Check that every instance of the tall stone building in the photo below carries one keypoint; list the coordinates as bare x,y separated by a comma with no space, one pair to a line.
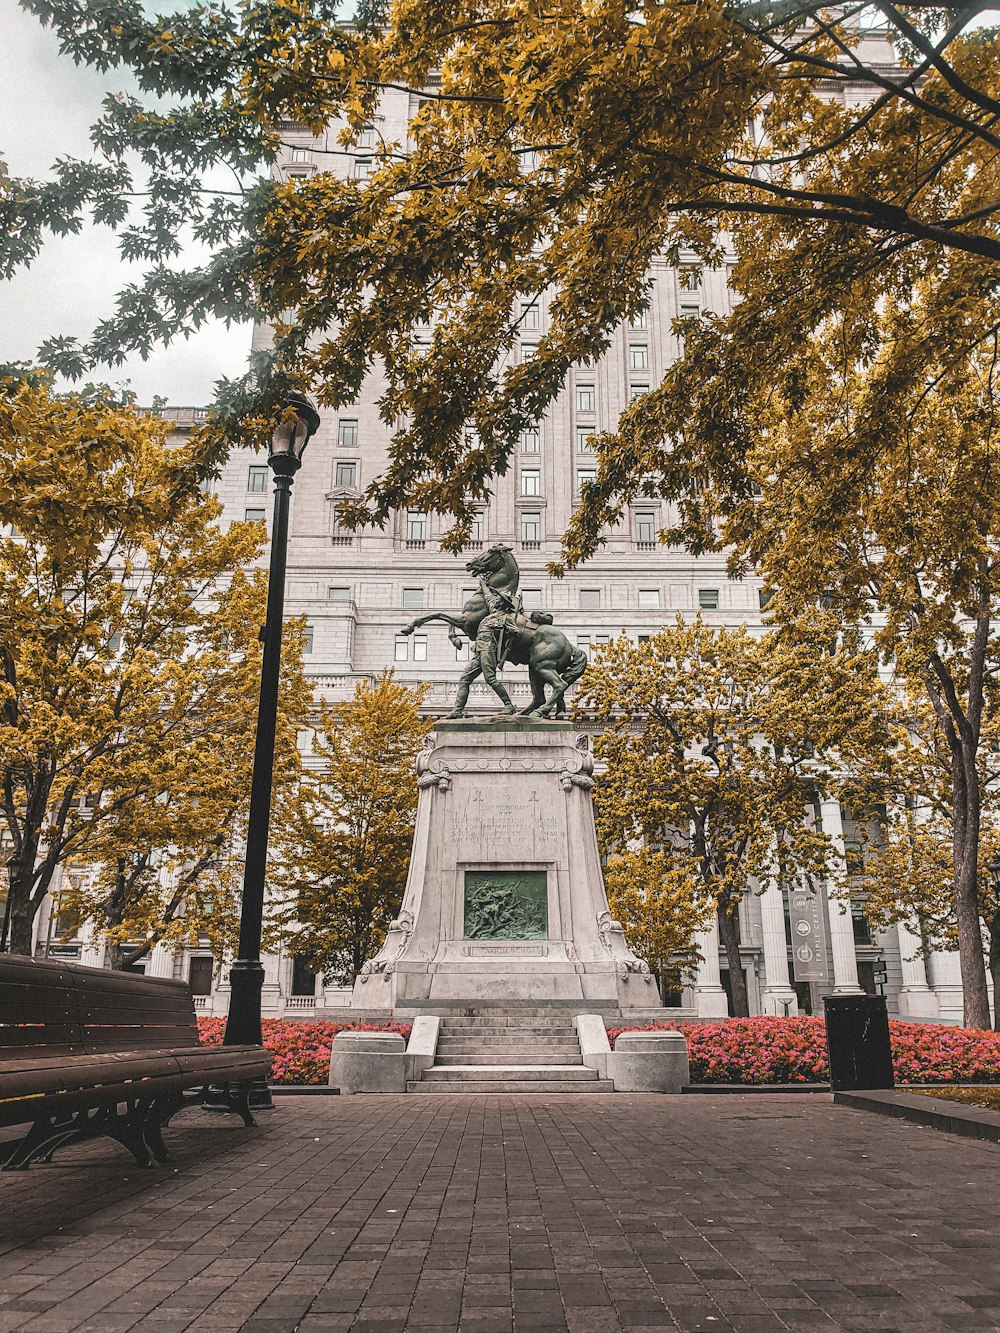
357,591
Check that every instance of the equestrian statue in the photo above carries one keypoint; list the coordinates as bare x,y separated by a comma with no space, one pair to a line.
496,624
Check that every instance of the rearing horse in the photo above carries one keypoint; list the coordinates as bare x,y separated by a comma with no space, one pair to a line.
549,656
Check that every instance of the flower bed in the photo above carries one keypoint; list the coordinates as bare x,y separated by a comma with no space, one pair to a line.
793,1050
300,1051
737,1050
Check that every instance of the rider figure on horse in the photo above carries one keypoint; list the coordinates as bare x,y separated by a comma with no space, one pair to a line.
493,639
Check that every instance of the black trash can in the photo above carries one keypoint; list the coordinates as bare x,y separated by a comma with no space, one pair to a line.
857,1039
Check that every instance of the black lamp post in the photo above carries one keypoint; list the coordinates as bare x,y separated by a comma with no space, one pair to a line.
298,424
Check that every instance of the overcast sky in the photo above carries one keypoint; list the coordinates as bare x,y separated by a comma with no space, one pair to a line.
47,105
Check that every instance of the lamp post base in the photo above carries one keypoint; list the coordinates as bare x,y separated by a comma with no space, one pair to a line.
246,981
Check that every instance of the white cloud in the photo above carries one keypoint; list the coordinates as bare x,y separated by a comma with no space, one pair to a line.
47,105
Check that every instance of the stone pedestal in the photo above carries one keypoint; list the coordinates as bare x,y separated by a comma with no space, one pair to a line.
505,901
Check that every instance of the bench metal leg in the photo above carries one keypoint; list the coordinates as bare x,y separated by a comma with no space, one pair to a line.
50,1133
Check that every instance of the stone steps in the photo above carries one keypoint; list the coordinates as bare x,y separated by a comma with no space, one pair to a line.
533,1039
552,1073
513,1058
498,1052
495,1029
506,1086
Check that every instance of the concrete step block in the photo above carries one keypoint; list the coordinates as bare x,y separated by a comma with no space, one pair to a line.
515,1058
553,1073
507,1087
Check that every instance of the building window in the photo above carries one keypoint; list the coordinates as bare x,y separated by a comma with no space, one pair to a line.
531,481
584,476
530,315
256,481
464,651
859,922
416,527
584,440
301,155
338,594
764,596
367,136
253,516
420,648
341,535
477,532
601,639
531,440
583,640
346,474
363,168
590,599
645,529
307,639
638,320
531,527
586,398
689,277
638,356
690,310
649,599
402,648
413,599
531,599
200,975
708,599
347,434
636,391
303,978
528,350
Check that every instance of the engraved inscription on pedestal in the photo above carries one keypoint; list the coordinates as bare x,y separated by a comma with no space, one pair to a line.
506,905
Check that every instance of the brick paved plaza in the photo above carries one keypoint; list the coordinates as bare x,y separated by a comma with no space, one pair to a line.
489,1214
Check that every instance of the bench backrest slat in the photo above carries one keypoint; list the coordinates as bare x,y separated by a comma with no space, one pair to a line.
38,1009
85,1010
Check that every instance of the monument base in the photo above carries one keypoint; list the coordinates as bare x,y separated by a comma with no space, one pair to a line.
505,902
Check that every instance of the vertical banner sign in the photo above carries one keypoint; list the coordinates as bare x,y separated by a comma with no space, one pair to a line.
808,922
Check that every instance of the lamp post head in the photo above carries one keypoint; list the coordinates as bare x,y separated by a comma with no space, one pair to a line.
298,424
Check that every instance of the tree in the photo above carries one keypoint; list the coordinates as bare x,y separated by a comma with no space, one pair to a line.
166,863
129,668
716,745
909,872
562,149
849,460
342,847
651,895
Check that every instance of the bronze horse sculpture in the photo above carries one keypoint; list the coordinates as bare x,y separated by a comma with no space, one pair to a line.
535,643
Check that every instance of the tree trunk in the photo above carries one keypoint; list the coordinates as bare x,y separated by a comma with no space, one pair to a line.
965,843
22,908
994,928
22,919
729,932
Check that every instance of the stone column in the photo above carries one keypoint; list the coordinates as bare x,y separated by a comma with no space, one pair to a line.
946,982
845,964
92,950
271,1001
161,961
710,998
776,993
916,999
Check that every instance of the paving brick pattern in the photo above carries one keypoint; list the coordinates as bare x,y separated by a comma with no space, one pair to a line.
519,1214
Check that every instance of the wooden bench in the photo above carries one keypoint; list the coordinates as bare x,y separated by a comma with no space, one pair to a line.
86,1053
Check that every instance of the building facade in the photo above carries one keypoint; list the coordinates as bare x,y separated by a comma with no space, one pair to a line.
358,590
